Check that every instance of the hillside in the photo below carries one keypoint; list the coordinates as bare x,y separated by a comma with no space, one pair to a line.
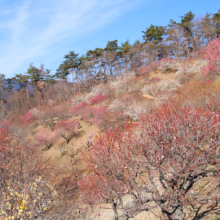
138,147
134,135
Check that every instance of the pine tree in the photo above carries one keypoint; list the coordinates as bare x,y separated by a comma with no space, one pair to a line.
207,29
2,85
216,21
111,49
154,34
22,81
124,53
34,75
62,72
70,64
9,84
186,25
38,76
174,35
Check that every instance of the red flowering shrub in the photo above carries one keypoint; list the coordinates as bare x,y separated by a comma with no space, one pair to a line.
96,115
90,113
154,80
6,124
46,138
79,108
66,129
205,83
154,66
99,114
29,117
143,70
97,99
147,69
166,60
211,53
160,163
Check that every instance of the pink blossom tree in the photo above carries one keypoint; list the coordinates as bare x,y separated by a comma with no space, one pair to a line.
66,129
79,108
46,137
29,117
97,99
211,53
147,69
160,163
96,115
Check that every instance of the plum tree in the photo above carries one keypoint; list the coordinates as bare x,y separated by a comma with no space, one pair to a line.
160,163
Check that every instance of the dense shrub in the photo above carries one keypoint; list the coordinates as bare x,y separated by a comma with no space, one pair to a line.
50,115
120,104
154,80
96,115
168,65
30,116
66,129
121,82
189,70
79,108
25,192
46,137
134,110
143,70
160,163
101,89
162,86
97,99
211,54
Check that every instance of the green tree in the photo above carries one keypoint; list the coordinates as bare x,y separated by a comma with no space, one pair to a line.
22,81
112,46
187,26
38,77
94,56
62,72
207,29
2,85
34,75
10,84
154,34
111,50
91,57
125,52
174,35
70,64
216,21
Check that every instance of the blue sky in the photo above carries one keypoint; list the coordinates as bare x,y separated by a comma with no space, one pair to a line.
43,31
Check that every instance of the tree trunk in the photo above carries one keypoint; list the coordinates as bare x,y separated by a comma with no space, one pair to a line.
27,96
178,214
193,46
145,58
115,211
185,40
114,64
79,85
73,81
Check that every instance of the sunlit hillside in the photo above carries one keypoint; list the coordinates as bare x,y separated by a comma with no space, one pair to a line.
135,135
